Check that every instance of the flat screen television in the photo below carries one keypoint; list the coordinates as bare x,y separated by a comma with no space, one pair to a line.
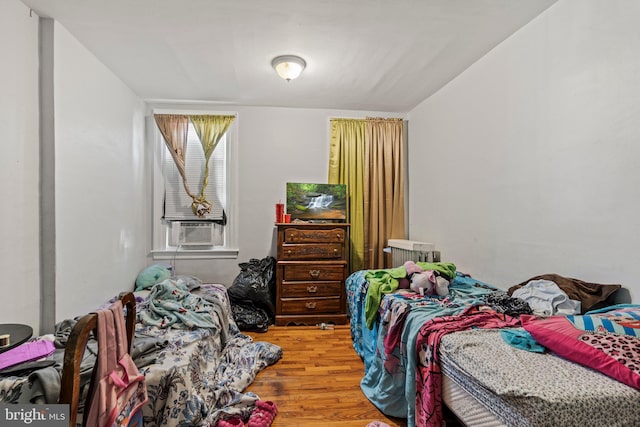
317,202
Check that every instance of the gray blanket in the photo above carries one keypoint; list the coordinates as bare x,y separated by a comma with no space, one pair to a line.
29,384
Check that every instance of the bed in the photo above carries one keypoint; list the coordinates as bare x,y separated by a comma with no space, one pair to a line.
422,353
196,362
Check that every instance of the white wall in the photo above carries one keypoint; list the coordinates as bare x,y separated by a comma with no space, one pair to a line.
102,175
275,146
102,180
19,253
527,163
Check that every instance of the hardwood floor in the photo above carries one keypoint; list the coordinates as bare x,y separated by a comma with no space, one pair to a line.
317,381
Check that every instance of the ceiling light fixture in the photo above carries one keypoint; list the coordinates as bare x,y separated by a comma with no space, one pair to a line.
288,66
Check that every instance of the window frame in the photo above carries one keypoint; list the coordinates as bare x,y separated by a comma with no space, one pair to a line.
161,250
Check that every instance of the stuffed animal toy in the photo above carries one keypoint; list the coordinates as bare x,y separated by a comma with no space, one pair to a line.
442,286
412,267
425,282
422,282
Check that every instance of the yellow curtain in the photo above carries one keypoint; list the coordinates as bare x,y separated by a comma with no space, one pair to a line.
383,187
209,129
346,166
173,128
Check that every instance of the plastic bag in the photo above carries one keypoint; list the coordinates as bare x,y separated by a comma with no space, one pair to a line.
250,318
255,284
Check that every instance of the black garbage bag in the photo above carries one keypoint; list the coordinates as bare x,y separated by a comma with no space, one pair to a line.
248,317
255,286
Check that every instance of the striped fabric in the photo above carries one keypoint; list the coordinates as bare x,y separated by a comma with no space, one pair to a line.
624,320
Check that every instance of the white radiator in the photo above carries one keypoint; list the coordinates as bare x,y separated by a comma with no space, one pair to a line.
409,250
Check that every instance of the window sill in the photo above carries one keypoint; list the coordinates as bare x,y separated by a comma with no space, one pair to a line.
222,253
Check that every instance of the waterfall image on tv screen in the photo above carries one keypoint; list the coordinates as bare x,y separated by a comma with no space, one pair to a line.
317,201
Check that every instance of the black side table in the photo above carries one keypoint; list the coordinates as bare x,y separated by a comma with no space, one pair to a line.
18,334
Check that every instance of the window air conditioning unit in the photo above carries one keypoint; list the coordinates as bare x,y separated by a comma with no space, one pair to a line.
193,233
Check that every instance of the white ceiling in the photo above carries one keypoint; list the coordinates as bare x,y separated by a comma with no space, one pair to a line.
380,55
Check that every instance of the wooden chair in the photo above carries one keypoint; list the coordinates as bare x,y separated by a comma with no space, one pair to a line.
70,391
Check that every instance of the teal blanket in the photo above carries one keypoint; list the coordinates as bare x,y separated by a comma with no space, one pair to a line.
172,305
393,391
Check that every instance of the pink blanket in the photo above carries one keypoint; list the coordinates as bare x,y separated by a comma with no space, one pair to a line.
428,375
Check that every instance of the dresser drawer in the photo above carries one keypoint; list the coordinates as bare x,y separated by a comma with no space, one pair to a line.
314,272
310,305
312,251
311,289
298,235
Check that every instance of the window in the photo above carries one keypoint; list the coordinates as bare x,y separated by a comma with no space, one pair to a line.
177,203
177,232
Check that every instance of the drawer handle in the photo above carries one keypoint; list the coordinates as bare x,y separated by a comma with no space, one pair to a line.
289,252
338,236
312,289
310,305
291,236
314,273
335,251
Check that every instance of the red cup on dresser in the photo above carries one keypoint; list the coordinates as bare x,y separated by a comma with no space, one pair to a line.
287,218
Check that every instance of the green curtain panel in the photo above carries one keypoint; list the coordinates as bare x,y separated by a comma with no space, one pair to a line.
346,166
368,155
209,129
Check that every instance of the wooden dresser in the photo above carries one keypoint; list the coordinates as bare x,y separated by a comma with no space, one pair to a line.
313,263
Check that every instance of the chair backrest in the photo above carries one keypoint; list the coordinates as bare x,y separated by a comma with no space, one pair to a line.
70,391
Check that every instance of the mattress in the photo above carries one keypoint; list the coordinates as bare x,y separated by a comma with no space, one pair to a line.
466,407
522,388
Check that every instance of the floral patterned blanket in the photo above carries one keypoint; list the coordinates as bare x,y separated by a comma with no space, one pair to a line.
196,377
200,376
